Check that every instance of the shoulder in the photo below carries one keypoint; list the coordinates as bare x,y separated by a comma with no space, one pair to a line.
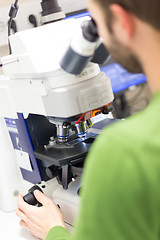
128,134
118,150
115,140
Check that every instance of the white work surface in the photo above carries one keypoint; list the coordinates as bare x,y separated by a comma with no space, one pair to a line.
10,228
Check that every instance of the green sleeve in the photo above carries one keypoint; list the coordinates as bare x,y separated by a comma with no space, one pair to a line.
58,233
118,201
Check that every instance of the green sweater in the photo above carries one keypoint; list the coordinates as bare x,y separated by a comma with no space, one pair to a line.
121,183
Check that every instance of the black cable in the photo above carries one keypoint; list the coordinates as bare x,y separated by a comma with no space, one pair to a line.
9,26
12,14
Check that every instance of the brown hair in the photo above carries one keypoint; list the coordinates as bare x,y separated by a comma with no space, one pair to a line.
146,10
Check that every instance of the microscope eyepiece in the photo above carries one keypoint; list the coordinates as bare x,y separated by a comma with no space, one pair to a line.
89,30
86,46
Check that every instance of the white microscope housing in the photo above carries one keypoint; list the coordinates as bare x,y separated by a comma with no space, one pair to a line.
36,83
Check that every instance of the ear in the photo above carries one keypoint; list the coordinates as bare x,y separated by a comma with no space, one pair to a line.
123,23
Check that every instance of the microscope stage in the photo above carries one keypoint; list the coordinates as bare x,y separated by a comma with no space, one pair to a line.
75,150
61,154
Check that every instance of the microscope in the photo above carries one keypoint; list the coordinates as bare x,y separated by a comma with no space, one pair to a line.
53,91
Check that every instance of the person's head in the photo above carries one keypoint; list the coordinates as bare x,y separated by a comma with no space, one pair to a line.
121,24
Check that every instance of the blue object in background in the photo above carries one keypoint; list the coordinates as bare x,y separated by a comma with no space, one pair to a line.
120,78
79,15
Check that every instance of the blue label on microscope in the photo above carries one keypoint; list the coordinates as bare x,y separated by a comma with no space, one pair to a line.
11,124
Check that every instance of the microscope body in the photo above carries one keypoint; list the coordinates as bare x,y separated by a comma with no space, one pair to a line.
49,112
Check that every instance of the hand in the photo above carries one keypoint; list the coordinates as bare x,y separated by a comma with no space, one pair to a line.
39,220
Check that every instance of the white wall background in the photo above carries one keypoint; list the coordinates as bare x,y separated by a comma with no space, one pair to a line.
9,2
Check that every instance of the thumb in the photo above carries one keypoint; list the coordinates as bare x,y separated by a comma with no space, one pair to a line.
41,197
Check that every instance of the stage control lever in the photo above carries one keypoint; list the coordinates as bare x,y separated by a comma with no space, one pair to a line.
30,198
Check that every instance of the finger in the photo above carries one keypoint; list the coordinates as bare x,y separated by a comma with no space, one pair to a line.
25,207
41,197
23,224
20,202
21,215
19,199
